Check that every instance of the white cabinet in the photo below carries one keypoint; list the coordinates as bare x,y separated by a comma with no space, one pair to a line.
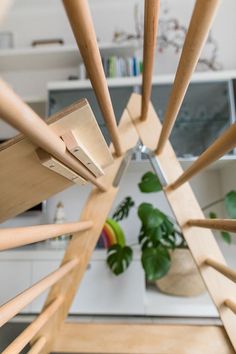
15,276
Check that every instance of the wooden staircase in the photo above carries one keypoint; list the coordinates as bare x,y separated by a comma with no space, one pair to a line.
28,177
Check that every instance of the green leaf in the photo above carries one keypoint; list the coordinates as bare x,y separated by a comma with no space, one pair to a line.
149,216
119,258
230,204
212,215
150,183
123,209
226,236
156,262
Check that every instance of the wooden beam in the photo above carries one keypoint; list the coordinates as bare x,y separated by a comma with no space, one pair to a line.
231,305
214,224
96,208
222,145
21,236
221,268
132,338
4,8
14,111
199,27
37,346
81,22
15,305
25,337
151,14
200,241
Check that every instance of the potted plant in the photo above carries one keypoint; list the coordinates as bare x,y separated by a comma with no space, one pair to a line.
165,257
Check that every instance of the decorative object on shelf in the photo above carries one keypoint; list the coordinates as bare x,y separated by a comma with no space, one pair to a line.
171,34
60,218
111,234
6,40
165,258
47,42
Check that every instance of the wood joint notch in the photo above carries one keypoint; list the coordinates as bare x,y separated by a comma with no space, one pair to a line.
76,147
54,165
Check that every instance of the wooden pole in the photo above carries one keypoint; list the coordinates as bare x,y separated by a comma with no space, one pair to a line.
22,117
15,305
81,22
221,268
16,237
215,224
25,337
151,14
37,346
225,143
231,305
199,27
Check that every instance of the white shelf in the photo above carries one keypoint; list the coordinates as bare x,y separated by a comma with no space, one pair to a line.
51,57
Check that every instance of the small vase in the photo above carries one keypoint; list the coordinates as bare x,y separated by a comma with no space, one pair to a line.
183,278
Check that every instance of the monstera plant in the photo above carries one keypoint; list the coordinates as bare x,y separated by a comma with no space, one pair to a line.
159,233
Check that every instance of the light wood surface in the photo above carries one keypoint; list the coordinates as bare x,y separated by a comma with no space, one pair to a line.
184,205
151,14
199,27
76,148
15,305
22,117
21,236
231,305
225,143
215,224
37,346
4,8
25,337
24,182
96,208
223,269
56,166
142,339
81,22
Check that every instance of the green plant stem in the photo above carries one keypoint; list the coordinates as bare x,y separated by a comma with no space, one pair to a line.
212,204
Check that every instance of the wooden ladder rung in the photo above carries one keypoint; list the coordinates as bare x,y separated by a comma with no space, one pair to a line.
214,224
221,268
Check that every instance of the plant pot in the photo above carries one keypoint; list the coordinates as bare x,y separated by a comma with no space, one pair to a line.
183,278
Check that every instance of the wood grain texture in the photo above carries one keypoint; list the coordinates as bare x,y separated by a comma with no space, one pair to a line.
222,145
201,242
15,305
214,224
142,339
223,269
151,14
25,337
24,182
21,236
96,208
199,27
81,22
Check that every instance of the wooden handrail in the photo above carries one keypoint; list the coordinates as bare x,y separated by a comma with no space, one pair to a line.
81,22
214,224
225,143
14,111
199,27
26,336
231,305
37,346
221,268
16,237
151,14
15,305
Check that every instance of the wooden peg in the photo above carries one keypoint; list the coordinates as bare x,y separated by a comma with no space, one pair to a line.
54,165
76,148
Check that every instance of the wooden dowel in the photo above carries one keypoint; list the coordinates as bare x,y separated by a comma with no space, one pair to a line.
151,14
16,237
37,346
221,268
225,143
26,336
22,117
215,224
15,305
231,305
81,22
199,27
